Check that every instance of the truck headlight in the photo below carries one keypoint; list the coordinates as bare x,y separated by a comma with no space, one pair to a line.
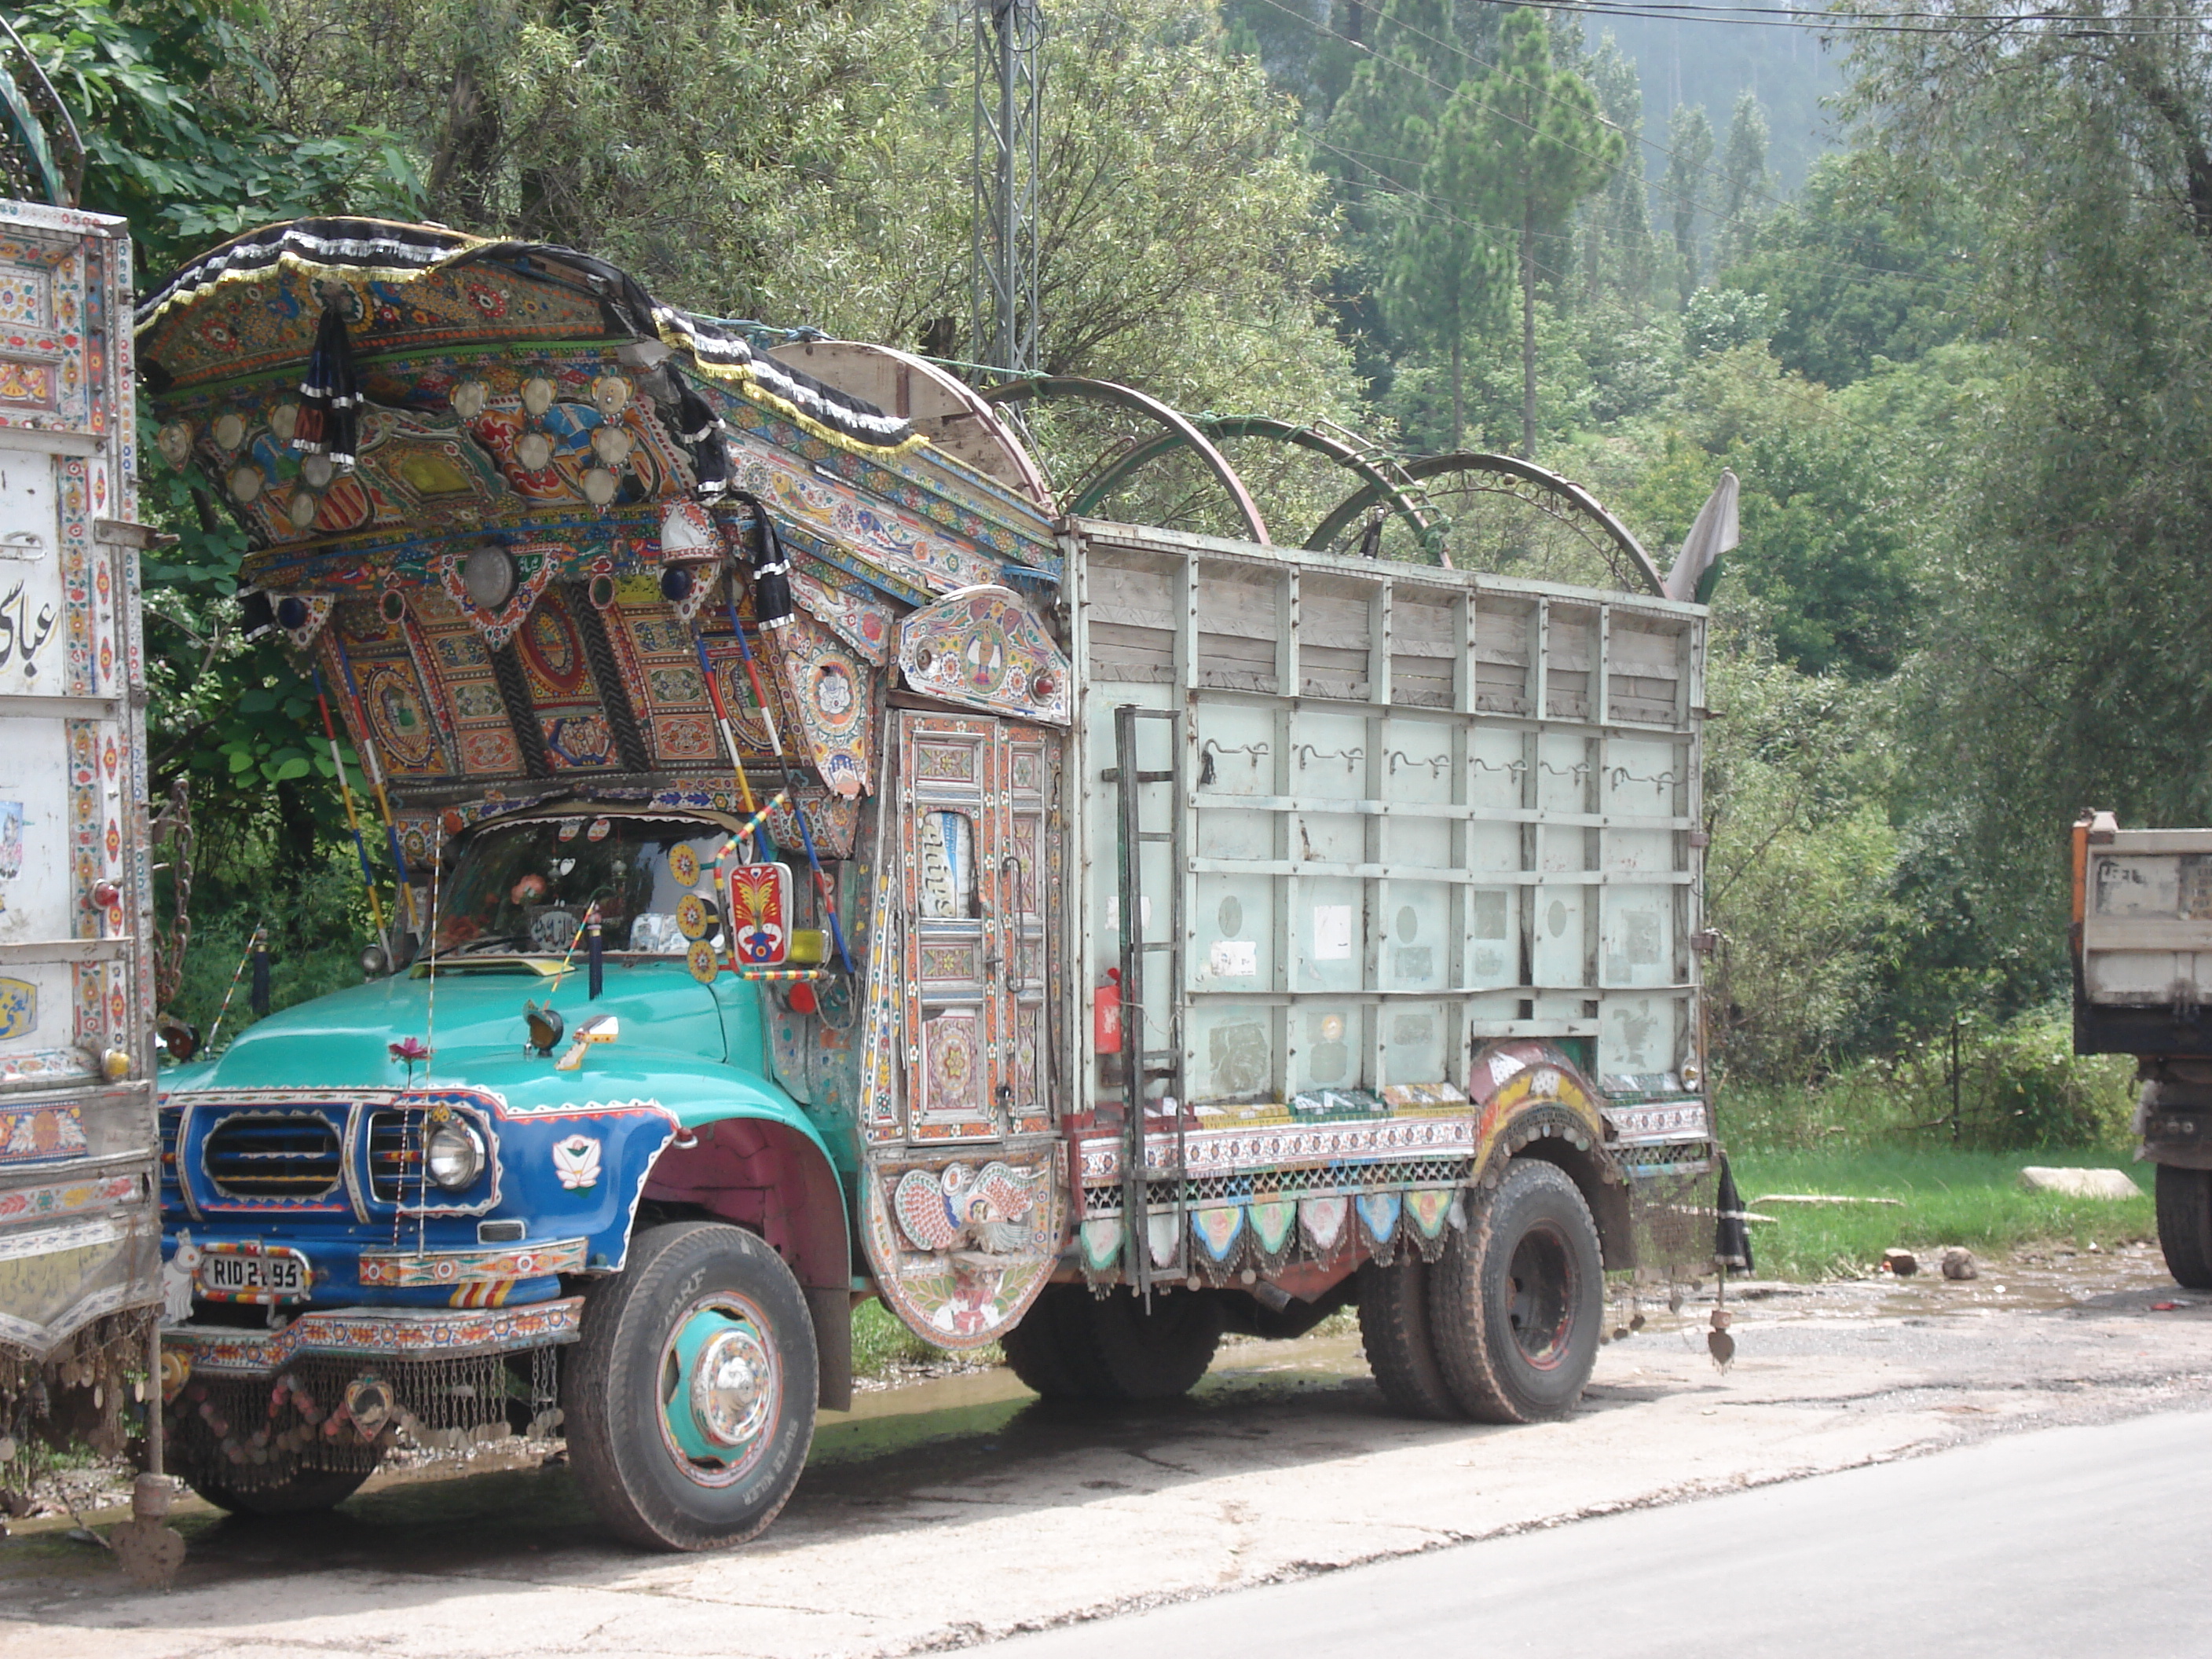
454,1155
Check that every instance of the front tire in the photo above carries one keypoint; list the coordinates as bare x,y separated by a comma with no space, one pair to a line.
2184,1224
689,1396
1517,1301
304,1492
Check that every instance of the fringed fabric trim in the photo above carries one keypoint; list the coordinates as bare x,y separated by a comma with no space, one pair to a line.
392,251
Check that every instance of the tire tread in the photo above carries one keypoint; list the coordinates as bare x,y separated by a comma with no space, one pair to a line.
2184,1224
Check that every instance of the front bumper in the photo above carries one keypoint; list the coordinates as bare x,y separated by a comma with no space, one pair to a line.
371,1334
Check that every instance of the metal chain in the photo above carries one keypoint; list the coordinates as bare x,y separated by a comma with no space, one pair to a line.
175,822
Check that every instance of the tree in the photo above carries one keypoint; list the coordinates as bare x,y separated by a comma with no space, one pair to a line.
1852,276
1446,271
2063,540
1689,152
1745,181
1535,146
162,93
1620,255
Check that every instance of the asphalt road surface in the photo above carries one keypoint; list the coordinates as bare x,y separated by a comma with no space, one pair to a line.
1875,1470
2067,1541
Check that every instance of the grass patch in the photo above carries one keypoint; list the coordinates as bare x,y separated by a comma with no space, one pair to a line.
1947,1197
882,1345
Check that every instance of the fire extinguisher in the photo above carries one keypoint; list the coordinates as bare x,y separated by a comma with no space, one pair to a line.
1106,1015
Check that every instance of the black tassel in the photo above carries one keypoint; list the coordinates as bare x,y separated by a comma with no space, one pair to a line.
258,999
329,414
771,575
700,430
594,958
1731,1236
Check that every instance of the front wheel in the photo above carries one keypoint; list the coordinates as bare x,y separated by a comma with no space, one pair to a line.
1516,1303
2184,1224
690,1394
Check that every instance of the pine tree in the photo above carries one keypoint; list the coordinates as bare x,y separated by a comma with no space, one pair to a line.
1530,144
1745,181
1690,146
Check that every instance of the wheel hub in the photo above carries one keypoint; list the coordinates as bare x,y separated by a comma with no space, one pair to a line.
719,1386
1540,1298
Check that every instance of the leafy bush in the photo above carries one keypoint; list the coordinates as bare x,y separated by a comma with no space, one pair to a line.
2020,1086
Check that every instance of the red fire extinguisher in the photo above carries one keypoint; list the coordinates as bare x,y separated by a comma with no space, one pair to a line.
1106,1015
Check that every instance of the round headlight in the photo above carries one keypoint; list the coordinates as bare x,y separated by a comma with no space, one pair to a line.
454,1156
1691,1074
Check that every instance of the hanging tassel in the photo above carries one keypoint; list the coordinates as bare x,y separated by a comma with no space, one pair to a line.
258,998
771,575
330,412
700,431
594,958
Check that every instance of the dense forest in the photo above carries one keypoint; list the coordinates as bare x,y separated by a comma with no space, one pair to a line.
1947,334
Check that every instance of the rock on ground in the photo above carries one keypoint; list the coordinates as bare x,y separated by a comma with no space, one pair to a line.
2080,1183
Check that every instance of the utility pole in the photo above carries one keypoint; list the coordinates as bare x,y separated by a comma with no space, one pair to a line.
1009,82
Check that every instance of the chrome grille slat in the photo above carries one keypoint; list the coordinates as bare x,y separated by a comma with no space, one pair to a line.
395,1155
260,1155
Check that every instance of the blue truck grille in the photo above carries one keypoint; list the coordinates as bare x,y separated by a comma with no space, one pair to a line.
395,1157
296,1156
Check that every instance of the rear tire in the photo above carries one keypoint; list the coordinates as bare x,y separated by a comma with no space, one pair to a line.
306,1491
1517,1302
689,1397
1116,1351
2184,1224
1036,1349
1394,1326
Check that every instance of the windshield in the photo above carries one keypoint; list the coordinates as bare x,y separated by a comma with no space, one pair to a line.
524,888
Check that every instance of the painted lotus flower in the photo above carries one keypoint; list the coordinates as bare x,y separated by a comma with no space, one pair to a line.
409,1050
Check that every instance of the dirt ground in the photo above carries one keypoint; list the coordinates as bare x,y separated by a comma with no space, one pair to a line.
949,1512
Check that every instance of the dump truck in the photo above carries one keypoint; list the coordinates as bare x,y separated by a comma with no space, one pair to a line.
2141,948
823,870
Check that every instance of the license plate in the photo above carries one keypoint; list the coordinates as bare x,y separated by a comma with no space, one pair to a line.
269,1275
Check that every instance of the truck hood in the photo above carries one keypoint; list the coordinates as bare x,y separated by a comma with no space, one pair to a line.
344,1040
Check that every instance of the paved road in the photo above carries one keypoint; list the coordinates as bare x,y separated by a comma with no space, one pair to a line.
2066,1541
962,1511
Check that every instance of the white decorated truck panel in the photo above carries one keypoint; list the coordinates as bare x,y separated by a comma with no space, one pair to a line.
79,1232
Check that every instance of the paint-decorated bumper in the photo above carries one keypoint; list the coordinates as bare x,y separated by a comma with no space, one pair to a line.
370,1335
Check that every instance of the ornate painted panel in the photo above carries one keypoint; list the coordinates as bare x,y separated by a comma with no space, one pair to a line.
982,647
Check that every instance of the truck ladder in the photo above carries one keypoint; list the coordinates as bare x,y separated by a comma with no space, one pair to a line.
1141,1066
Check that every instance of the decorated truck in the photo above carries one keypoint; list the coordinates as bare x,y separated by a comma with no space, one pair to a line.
825,868
79,1226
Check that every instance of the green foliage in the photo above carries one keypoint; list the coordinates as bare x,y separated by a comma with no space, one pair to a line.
1941,1198
1744,179
1797,880
2020,1086
1530,144
1851,278
162,91
318,924
1689,152
1721,319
